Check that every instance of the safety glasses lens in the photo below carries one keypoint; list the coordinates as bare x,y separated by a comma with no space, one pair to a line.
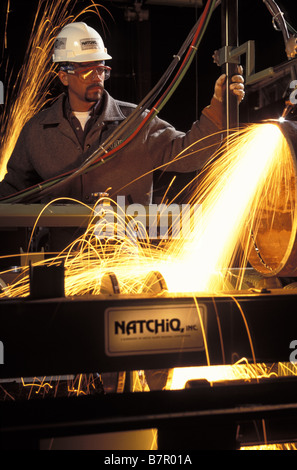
88,74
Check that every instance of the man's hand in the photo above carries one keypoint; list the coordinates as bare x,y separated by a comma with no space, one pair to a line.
237,86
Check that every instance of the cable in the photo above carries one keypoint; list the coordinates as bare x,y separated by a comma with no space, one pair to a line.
145,103
98,160
277,16
127,128
101,155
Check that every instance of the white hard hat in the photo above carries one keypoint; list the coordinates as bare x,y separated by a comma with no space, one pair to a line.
78,42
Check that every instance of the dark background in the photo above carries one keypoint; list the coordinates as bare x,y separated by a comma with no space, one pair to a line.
142,50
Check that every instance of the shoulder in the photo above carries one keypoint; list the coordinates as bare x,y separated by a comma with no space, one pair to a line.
125,108
125,105
51,113
118,108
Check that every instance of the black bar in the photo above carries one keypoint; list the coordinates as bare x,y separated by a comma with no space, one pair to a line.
194,418
229,34
68,335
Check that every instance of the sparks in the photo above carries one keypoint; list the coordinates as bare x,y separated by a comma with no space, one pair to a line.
237,191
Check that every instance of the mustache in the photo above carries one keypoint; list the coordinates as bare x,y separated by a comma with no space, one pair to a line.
95,85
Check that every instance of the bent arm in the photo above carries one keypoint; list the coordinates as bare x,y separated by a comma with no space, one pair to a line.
186,152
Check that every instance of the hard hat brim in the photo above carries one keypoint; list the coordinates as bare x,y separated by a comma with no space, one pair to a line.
81,58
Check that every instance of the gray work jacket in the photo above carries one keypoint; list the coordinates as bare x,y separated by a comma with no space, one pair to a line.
48,146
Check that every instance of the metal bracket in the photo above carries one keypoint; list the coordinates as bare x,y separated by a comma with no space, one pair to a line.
231,55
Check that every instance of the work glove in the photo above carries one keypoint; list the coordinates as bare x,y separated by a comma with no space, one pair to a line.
236,86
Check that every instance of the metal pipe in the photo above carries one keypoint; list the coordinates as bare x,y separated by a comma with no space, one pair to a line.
229,37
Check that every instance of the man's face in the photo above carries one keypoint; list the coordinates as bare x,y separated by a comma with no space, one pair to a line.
85,82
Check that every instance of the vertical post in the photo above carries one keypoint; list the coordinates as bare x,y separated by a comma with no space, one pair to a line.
1,93
229,37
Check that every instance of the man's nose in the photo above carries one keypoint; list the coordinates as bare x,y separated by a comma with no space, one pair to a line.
97,73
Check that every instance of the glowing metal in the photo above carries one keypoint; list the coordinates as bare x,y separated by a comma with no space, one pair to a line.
241,370
241,183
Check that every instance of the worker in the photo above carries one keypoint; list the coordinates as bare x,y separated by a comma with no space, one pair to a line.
59,138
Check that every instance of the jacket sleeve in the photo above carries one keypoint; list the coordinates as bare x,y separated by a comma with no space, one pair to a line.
186,152
20,173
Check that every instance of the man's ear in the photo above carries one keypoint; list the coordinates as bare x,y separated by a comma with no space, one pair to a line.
63,76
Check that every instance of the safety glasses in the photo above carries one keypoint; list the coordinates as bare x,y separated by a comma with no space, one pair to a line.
87,73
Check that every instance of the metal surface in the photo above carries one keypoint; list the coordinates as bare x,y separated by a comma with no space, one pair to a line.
58,215
71,335
154,216
229,34
273,247
224,416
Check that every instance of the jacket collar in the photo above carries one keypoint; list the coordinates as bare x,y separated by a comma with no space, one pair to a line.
110,112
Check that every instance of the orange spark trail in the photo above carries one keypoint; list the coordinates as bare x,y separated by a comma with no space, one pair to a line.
253,164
